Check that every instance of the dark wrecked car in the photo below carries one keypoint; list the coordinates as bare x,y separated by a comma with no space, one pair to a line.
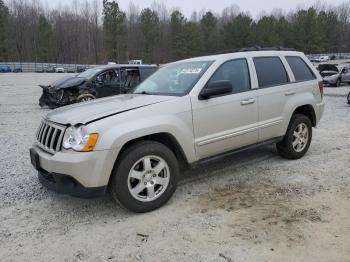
334,75
94,83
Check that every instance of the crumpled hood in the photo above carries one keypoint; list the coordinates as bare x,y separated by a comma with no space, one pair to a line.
326,74
86,112
68,81
328,67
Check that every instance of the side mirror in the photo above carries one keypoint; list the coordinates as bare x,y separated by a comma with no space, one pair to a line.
344,71
216,88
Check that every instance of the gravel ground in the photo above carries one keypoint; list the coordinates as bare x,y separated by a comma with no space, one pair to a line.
254,206
337,91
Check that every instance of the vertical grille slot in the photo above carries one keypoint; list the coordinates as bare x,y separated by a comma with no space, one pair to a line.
43,138
49,133
53,138
49,136
42,132
39,130
56,145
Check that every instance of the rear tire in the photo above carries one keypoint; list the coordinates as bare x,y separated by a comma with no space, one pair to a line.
298,138
145,176
349,98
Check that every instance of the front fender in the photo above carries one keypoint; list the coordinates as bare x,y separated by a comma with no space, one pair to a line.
172,117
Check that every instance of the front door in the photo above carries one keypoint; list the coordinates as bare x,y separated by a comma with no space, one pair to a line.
345,76
227,122
107,83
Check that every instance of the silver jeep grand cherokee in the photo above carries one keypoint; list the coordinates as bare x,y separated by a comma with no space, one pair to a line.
137,144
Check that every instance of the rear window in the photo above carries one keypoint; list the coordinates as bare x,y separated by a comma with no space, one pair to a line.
270,71
300,69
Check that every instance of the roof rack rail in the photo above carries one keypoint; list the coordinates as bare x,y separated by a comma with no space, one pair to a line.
258,48
255,48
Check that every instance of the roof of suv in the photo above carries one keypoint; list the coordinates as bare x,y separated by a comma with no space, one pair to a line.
245,54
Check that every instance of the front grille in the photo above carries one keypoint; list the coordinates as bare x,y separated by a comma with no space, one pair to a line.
49,136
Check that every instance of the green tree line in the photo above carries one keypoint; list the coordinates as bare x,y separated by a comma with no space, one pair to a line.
81,33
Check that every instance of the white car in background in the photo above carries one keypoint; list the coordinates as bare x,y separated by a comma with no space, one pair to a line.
59,70
323,58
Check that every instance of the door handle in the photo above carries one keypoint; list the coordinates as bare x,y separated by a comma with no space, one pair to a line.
289,93
247,102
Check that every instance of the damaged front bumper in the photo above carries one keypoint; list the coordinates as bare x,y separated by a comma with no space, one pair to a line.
73,173
53,97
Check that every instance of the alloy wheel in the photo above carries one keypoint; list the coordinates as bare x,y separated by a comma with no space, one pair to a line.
300,137
148,178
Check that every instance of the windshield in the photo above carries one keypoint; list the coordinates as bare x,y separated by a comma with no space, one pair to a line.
174,79
90,73
341,66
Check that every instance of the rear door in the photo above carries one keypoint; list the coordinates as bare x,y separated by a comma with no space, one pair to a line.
130,78
282,80
108,83
274,90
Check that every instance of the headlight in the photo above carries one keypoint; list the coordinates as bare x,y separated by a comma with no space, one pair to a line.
77,139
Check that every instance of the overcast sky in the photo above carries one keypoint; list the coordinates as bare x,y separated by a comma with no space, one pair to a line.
255,7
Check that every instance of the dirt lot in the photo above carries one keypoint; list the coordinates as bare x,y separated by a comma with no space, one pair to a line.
254,206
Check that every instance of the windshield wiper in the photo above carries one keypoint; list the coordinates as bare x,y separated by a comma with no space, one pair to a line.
143,93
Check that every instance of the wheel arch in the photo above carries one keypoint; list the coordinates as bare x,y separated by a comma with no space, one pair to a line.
164,138
306,110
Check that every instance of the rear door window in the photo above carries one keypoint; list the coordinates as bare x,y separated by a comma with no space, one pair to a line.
300,69
270,71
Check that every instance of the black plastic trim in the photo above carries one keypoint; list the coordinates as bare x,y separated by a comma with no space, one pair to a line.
235,151
64,184
254,49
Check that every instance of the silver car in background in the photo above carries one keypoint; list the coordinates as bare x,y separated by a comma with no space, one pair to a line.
335,75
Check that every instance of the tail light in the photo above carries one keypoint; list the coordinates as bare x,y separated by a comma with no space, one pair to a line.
320,86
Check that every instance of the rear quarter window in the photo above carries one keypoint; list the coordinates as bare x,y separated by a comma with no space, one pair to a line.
270,71
300,69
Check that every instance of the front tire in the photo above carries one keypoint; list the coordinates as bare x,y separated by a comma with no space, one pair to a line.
145,176
338,83
85,97
349,98
298,138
